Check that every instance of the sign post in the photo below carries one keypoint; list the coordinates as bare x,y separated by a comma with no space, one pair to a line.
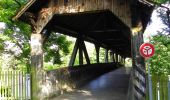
147,51
169,87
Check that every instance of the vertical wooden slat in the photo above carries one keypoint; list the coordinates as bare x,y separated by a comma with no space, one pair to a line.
4,84
0,84
13,84
24,92
22,84
8,87
18,83
23,81
25,86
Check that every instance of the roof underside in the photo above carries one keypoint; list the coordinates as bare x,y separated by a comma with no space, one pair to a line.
101,27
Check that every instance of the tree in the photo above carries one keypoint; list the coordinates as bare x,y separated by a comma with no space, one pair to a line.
18,34
164,14
160,61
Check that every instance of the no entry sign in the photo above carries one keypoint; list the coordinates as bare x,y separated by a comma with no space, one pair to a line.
147,50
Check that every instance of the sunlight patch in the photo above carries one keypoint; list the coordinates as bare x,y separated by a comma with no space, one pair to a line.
2,25
86,93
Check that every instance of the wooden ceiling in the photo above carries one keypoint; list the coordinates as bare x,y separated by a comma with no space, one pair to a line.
100,27
100,23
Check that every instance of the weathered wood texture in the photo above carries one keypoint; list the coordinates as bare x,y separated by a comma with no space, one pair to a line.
139,71
121,8
37,73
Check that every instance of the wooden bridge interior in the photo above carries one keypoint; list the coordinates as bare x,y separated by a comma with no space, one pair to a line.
105,23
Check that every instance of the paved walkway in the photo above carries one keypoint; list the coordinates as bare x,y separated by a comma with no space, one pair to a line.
110,86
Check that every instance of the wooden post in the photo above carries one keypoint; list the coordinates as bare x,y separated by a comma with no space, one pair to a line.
85,53
116,57
38,75
80,51
37,72
123,60
139,72
79,45
97,53
106,55
74,53
111,56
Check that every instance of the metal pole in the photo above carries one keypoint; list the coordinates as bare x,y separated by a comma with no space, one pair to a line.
158,91
150,83
169,87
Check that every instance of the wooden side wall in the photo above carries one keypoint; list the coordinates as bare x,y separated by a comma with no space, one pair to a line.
121,8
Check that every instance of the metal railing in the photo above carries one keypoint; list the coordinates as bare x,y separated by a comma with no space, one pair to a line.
14,85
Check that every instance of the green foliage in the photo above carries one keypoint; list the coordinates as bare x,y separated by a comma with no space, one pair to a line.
18,33
160,61
5,91
163,87
160,1
56,49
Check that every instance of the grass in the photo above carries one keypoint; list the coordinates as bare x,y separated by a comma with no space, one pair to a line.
163,87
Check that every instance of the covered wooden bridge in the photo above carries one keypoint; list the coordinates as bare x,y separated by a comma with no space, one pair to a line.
116,25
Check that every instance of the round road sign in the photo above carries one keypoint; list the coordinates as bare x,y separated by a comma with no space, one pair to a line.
147,50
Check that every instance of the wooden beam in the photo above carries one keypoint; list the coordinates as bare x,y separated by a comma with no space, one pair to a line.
80,50
74,53
97,53
108,30
85,53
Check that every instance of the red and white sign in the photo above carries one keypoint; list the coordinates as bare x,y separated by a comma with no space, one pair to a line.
147,50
